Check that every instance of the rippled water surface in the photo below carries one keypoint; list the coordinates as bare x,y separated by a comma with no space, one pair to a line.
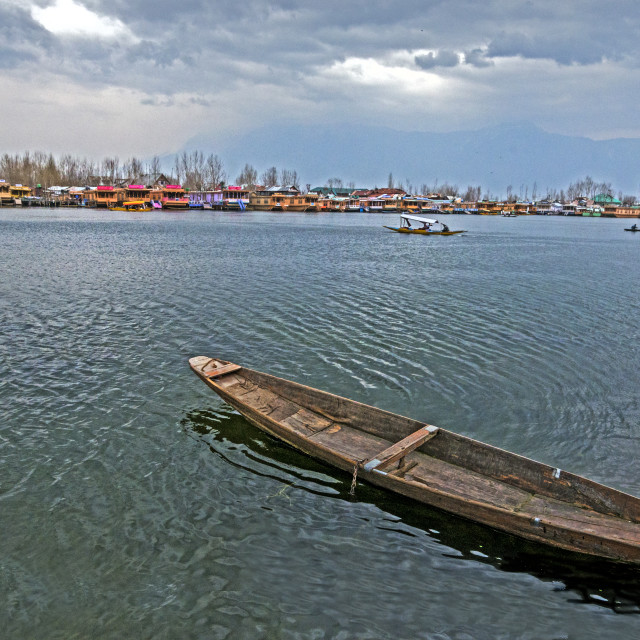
134,503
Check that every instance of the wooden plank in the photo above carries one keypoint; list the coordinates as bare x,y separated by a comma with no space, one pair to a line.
221,371
306,422
401,449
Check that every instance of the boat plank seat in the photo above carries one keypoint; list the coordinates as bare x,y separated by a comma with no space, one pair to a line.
401,448
222,371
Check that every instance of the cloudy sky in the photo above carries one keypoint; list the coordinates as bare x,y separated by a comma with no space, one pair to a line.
141,77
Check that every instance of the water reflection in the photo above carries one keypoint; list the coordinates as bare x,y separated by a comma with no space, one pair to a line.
593,581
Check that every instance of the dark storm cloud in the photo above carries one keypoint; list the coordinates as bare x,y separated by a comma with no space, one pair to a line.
442,58
21,39
196,41
477,58
565,49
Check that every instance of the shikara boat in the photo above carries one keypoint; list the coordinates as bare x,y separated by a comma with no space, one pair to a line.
426,226
440,468
132,205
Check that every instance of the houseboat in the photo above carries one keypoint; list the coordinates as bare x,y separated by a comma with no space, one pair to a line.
311,200
6,199
524,208
279,199
632,211
332,203
106,196
491,208
230,198
373,204
354,204
18,192
137,193
173,196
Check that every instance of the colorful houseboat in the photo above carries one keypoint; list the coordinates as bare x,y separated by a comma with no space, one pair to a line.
6,199
279,199
174,197
628,212
230,198
105,196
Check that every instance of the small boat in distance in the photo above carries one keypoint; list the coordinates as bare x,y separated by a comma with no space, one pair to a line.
634,227
434,466
132,205
425,226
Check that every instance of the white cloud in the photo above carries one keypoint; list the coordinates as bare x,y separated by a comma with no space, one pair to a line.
66,17
370,72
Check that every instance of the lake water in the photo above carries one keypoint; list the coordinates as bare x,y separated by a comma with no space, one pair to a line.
135,504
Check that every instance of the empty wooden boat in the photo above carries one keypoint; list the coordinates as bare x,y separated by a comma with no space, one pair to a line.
435,466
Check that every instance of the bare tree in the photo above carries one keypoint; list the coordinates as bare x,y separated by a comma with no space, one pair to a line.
248,176
472,194
111,169
154,168
214,172
289,178
270,177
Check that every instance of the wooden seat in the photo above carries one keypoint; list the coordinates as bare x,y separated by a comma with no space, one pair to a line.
221,371
401,449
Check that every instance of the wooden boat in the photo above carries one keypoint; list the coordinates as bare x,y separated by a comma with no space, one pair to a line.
429,226
432,465
132,205
633,228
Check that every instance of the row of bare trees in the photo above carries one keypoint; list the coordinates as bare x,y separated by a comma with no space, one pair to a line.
269,178
198,172
33,168
193,170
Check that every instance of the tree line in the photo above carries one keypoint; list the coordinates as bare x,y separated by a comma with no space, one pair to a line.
197,171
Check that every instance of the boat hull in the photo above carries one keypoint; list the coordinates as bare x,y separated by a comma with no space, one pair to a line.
436,467
423,232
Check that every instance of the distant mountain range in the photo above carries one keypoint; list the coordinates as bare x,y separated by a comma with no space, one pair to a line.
516,155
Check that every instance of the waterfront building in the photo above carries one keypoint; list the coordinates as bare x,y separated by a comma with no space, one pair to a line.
18,192
105,196
608,203
280,199
331,203
524,208
6,199
173,197
631,211
229,198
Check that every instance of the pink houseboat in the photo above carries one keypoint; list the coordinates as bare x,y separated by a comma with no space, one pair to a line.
173,197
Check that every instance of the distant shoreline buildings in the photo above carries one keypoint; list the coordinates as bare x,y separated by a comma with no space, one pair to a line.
162,195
